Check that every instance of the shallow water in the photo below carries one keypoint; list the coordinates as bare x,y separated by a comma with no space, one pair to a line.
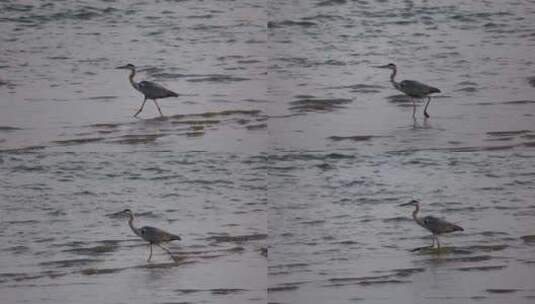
284,139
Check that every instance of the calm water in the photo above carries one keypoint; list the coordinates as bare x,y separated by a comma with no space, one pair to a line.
284,139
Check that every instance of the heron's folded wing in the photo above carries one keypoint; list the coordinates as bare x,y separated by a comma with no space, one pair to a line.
416,88
154,90
157,235
438,225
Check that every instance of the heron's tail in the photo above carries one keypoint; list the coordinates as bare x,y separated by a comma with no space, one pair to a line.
175,237
457,228
435,90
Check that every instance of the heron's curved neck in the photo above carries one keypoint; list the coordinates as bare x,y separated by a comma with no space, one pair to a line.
394,71
130,223
415,215
131,78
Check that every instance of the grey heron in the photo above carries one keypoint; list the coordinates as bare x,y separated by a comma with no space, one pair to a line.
411,88
150,234
435,225
149,89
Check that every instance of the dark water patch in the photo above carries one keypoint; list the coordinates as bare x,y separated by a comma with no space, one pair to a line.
486,248
95,250
105,125
194,134
493,233
288,23
501,290
237,238
531,80
364,281
8,129
256,127
467,209
196,122
167,75
220,113
131,139
361,88
352,138
313,222
70,263
333,62
58,57
226,291
529,239
78,14
97,271
405,272
21,222
324,17
308,157
381,282
205,16
288,287
346,243
519,102
208,182
403,99
397,219
469,259
293,267
358,279
319,104
103,98
19,249
465,149
219,79
502,138
18,277
215,291
467,90
467,83
177,261
482,268
508,133
248,61
78,141
331,2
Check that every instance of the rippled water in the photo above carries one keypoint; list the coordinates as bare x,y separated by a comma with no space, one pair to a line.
284,138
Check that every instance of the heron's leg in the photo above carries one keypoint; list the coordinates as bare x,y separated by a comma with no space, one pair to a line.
426,105
158,107
413,107
150,255
167,250
433,237
438,243
141,109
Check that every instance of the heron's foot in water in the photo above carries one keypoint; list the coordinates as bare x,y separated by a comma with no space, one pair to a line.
431,250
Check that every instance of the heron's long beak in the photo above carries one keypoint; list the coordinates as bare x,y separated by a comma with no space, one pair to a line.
381,66
122,67
115,214
406,204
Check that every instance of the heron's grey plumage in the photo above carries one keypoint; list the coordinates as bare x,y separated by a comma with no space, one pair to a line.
411,88
151,234
149,89
433,224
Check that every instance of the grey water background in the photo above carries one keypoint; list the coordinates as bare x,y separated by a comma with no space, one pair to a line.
285,142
